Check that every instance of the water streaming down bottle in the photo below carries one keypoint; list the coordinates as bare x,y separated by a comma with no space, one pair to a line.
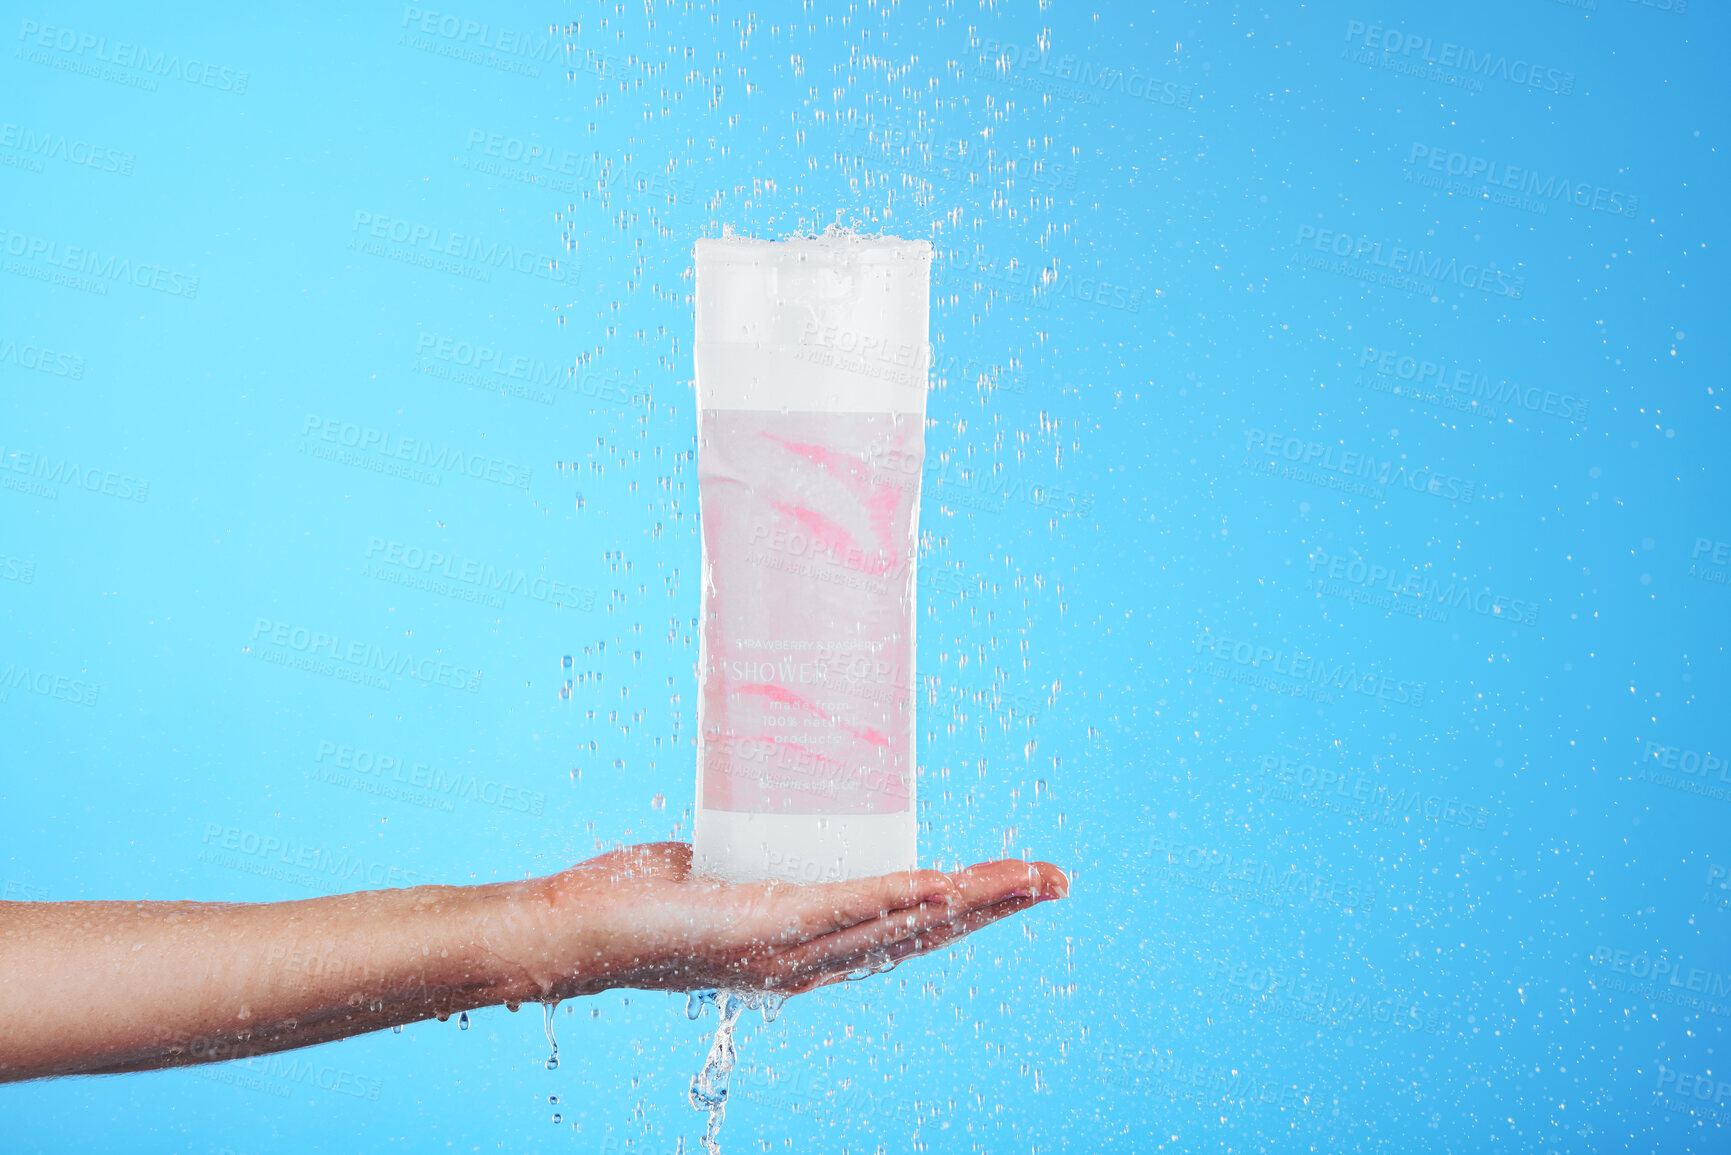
812,363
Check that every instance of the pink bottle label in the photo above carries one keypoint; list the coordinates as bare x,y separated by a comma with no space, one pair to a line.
808,624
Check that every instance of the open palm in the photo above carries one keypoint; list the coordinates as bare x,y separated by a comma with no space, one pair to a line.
671,929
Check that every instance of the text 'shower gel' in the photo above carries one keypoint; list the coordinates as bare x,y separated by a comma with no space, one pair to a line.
811,394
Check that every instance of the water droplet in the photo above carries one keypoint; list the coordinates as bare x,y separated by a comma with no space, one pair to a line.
553,1099
556,1116
397,1030
463,1021
658,801
547,1010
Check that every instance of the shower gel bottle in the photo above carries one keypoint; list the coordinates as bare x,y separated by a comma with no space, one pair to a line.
812,364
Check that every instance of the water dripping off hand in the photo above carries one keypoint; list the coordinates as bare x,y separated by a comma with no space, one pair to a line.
547,1010
709,1087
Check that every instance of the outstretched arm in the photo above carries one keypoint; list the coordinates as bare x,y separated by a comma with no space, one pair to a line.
103,987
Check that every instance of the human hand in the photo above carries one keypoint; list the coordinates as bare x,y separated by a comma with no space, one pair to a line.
103,987
639,917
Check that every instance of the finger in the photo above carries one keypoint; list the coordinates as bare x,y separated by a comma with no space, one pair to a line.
841,969
856,941
990,882
805,913
832,907
941,936
926,941
988,902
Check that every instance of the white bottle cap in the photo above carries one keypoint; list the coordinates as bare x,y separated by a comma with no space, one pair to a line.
830,324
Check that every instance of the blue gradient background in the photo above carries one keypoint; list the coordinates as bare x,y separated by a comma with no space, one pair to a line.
1098,535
